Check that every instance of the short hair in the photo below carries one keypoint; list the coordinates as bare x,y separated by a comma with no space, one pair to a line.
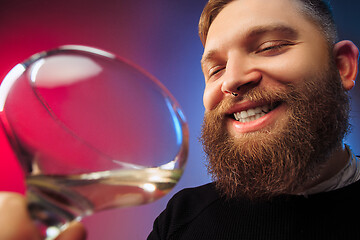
317,11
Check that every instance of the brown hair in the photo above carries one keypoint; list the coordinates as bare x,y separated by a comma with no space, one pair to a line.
317,11
211,10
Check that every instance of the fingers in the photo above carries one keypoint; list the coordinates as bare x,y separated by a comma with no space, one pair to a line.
75,231
15,222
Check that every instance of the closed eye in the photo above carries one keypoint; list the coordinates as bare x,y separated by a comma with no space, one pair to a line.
215,71
273,47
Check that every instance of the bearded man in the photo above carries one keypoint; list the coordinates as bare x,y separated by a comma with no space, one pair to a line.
276,114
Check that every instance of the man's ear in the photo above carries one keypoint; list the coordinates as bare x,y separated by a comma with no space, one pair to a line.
346,57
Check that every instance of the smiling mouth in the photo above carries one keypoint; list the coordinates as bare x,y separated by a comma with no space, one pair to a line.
253,114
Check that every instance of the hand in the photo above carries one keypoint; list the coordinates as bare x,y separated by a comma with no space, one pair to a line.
16,224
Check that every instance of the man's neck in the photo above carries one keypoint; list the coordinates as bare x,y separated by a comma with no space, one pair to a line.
337,161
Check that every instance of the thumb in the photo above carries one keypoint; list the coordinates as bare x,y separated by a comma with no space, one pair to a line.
15,222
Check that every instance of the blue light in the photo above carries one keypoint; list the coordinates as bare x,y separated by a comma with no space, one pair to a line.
177,124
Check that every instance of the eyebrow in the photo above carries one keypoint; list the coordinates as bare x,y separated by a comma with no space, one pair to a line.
255,32
208,58
278,28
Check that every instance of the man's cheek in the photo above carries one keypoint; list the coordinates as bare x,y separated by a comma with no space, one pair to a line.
212,97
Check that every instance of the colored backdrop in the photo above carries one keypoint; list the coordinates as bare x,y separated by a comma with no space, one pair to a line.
160,36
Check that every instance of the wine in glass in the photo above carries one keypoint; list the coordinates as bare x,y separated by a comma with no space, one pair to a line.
92,131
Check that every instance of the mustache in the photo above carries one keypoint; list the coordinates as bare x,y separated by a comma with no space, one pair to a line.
259,95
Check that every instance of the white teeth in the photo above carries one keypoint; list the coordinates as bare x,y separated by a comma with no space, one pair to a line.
252,114
258,110
243,114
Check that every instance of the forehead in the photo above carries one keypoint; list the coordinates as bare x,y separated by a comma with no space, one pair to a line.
239,17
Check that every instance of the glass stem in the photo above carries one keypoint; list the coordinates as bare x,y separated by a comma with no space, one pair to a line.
49,218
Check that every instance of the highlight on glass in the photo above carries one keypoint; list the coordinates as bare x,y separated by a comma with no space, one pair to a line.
92,131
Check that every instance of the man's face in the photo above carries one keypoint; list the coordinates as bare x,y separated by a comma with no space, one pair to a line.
267,44
290,108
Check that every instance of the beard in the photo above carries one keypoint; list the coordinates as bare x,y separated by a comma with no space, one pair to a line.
280,159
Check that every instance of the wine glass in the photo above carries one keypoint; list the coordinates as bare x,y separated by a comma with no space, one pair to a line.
92,131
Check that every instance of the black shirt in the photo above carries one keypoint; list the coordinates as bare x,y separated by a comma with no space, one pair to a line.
200,213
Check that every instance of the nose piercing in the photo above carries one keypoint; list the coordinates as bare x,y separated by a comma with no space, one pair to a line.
234,94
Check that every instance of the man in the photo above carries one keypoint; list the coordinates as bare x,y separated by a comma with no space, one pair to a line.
276,115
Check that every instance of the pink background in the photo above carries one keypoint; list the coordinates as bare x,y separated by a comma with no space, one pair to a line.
158,35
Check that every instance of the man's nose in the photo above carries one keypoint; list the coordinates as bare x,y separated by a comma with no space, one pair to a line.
239,77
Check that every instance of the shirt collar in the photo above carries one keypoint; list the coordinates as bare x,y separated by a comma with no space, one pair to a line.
349,174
